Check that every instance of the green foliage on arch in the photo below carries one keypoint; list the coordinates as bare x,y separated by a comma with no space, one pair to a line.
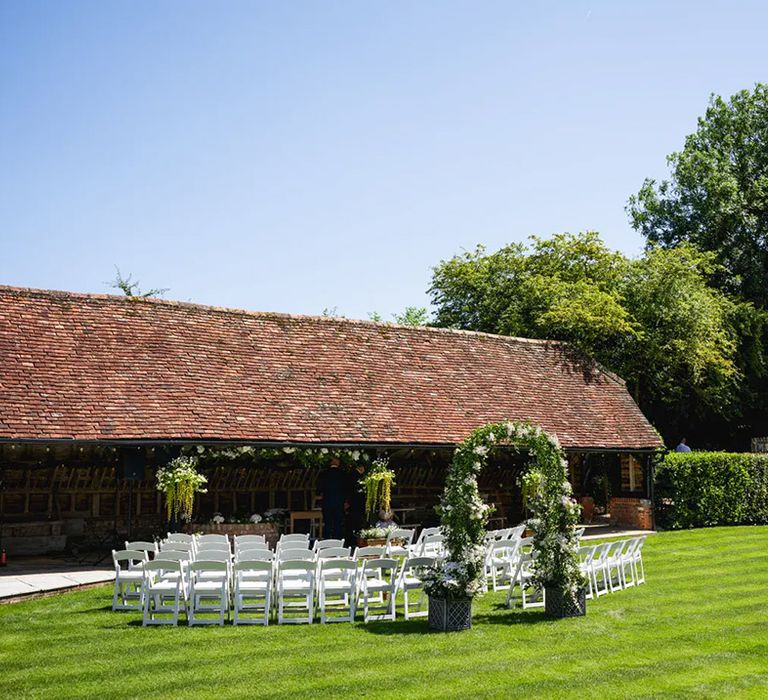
464,514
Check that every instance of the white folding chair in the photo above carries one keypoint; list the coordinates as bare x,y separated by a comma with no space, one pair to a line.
637,558
209,592
254,555
250,546
377,588
337,589
163,591
150,548
334,553
326,544
600,569
626,562
499,555
613,565
399,542
179,537
371,552
522,575
295,591
252,592
248,539
431,546
129,577
586,555
295,537
214,537
426,532
409,580
213,546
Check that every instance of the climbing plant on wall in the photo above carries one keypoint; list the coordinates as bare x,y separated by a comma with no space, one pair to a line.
548,496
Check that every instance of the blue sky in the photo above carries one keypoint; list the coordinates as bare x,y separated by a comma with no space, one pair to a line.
292,156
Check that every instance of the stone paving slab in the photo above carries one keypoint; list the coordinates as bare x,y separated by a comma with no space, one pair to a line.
32,577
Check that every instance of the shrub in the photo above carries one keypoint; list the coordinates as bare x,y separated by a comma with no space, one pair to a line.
702,489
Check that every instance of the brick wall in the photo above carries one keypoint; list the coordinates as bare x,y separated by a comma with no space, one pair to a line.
632,512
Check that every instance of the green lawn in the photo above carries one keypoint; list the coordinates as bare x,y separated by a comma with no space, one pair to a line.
698,626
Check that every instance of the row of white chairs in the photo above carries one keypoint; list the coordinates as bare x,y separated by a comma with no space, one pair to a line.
293,589
608,567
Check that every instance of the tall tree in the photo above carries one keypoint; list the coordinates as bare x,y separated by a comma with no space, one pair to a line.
653,320
717,194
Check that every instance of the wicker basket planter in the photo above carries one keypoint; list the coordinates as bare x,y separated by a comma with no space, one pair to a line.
372,542
450,615
559,604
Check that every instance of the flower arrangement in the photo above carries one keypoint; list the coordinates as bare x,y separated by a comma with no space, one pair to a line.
255,518
377,483
375,533
217,519
464,514
180,481
276,515
306,456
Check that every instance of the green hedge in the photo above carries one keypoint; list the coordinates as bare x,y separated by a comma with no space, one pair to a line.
700,489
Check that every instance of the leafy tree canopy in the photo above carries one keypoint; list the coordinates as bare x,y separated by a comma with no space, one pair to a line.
717,194
654,320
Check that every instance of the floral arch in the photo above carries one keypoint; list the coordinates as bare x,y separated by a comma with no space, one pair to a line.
548,496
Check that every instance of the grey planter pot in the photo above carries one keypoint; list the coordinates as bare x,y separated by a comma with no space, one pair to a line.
558,603
451,615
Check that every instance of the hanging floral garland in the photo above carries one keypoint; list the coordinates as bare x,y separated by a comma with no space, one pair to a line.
180,481
378,486
464,514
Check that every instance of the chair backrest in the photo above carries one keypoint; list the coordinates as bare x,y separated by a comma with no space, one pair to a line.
179,537
601,552
254,555
405,535
214,537
640,543
503,549
213,555
586,553
526,543
379,567
243,539
579,532
414,565
296,537
295,547
172,555
426,532
334,553
296,555
326,544
131,557
253,565
217,546
251,546
142,546
207,565
160,566
333,567
372,551
516,532
177,546
431,544
302,569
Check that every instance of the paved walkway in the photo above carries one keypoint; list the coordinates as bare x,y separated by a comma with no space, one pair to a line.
33,576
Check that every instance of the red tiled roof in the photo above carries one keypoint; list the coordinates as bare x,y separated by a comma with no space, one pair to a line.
97,367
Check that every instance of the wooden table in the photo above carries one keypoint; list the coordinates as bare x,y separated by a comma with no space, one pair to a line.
314,516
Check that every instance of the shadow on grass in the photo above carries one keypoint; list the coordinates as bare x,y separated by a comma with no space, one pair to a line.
504,616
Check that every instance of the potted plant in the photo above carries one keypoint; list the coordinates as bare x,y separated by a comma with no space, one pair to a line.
377,484
556,568
179,480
